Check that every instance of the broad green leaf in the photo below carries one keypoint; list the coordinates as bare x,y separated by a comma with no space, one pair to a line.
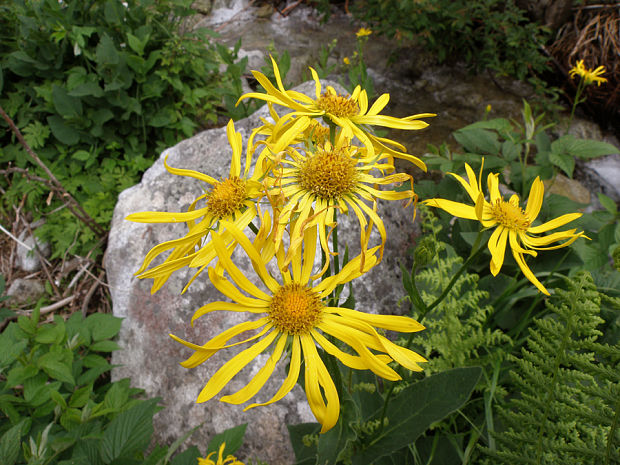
129,432
417,407
565,161
187,457
103,325
66,105
107,54
304,449
80,397
117,395
56,369
10,443
136,44
479,141
87,89
583,148
499,124
233,437
65,134
176,444
27,325
104,346
50,334
81,155
19,374
608,204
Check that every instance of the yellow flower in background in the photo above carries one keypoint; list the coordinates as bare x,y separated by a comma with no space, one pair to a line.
513,224
229,460
293,316
588,75
349,112
346,61
363,32
233,199
332,178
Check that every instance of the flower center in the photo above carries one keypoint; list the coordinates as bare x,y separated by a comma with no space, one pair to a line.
227,196
510,216
318,132
337,105
328,173
295,309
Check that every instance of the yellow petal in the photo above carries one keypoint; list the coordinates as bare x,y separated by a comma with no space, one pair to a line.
189,173
554,223
259,379
379,105
403,324
497,246
166,217
524,268
535,199
458,209
291,378
234,366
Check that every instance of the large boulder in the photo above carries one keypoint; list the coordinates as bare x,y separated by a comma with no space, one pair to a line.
151,358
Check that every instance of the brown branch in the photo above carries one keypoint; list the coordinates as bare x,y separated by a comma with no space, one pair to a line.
73,205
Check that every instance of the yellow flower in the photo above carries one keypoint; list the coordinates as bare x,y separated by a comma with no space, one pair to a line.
588,75
316,184
346,61
362,32
233,199
513,224
293,315
229,460
349,112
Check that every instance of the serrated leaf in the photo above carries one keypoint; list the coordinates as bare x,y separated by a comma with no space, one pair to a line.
129,432
416,407
57,370
19,374
80,397
103,325
565,161
106,53
233,437
50,334
10,444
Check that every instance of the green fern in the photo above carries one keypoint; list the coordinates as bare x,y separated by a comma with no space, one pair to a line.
567,410
457,334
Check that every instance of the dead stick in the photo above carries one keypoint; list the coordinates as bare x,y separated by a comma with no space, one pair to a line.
85,217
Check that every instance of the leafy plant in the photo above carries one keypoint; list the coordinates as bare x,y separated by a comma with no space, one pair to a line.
568,385
98,89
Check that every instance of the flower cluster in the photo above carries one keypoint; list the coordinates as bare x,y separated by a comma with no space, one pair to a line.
304,168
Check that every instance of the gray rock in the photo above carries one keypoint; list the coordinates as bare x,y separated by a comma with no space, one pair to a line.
26,258
25,291
150,358
604,174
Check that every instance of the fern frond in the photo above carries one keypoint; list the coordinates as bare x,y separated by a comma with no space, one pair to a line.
567,410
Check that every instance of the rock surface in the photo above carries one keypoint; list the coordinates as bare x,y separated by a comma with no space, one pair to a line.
25,291
150,358
28,250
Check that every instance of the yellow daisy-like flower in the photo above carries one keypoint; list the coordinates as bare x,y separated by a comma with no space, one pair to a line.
229,460
293,315
513,224
588,75
232,199
331,178
363,32
350,113
346,61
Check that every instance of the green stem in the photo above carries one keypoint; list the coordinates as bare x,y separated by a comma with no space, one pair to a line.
577,101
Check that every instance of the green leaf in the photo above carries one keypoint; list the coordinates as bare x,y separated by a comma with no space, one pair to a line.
103,325
1,79
10,443
565,161
50,334
176,444
65,105
136,44
129,432
334,442
19,374
56,370
81,155
104,346
106,53
65,134
608,204
27,325
80,397
233,437
479,141
87,89
304,454
417,407
187,457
